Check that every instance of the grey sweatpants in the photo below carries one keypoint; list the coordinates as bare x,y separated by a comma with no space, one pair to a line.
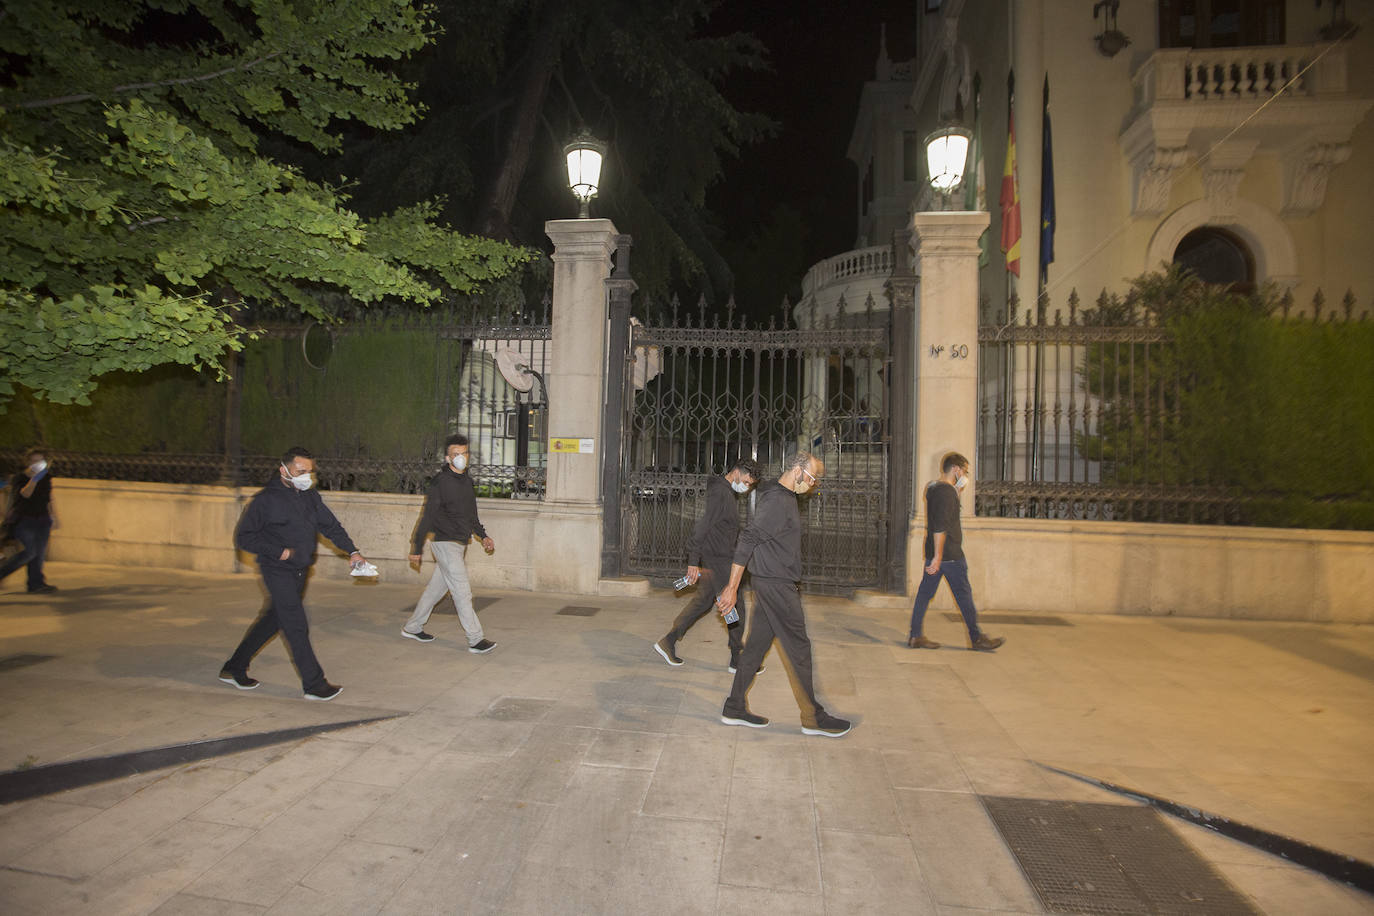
450,575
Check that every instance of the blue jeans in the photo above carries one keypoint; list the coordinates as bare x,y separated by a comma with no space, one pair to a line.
955,572
33,534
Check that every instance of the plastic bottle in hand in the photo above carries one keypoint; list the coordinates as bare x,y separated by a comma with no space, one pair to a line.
730,616
682,583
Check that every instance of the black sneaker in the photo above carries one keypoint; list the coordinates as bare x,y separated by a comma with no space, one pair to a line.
482,648
745,718
325,691
421,636
829,726
240,680
665,648
986,643
43,590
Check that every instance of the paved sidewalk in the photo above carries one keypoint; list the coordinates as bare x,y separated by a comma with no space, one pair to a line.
572,771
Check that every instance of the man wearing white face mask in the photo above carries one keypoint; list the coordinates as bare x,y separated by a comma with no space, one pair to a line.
280,526
31,519
451,513
944,552
709,548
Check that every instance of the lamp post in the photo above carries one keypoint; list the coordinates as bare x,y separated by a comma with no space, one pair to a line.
584,154
946,155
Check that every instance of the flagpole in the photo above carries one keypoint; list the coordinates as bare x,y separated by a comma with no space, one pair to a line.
1011,217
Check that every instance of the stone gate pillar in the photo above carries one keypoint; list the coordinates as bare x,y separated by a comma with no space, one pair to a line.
567,536
946,356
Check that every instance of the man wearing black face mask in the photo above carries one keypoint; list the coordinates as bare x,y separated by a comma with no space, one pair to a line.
280,526
450,512
31,519
944,552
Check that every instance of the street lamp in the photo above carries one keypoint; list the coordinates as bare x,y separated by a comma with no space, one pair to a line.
584,154
946,154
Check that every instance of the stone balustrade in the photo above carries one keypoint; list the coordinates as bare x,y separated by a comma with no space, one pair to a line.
875,262
1207,75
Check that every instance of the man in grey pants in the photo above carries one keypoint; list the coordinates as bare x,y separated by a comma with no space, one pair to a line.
771,548
451,513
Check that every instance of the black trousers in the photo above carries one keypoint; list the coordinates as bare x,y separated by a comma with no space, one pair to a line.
777,615
283,614
715,574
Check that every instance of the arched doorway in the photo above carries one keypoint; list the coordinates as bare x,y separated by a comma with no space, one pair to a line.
1218,256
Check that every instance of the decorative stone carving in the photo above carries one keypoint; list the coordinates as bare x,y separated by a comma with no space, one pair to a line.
1154,179
1220,186
1305,172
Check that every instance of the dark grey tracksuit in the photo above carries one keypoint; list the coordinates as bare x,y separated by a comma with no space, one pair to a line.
711,545
771,549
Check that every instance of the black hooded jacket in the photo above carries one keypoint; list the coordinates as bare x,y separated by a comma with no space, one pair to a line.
280,516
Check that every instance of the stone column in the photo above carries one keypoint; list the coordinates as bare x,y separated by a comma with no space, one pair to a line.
946,356
566,555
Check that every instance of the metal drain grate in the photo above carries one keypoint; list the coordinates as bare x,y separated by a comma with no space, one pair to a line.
23,660
1110,859
578,610
1031,620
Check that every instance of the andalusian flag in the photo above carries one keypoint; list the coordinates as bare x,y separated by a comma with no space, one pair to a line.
1011,194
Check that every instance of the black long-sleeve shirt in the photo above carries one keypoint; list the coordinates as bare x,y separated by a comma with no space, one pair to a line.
942,517
771,544
714,535
280,516
450,511
36,506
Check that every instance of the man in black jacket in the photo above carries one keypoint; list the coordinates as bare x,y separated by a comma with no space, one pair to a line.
771,548
709,549
451,513
31,518
280,526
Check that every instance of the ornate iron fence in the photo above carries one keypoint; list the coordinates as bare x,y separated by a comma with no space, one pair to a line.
373,400
1083,417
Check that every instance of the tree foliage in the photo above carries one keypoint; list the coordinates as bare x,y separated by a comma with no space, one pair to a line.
1240,398
138,210
510,81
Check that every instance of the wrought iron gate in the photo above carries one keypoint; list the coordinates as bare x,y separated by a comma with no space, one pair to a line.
699,397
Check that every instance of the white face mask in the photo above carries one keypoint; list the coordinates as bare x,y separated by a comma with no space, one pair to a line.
302,482
38,467
961,483
740,486
460,463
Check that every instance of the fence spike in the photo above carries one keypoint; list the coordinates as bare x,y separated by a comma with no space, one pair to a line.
1058,317
673,305
869,306
1286,302
1318,300
701,310
786,311
839,309
1073,305
1348,301
730,311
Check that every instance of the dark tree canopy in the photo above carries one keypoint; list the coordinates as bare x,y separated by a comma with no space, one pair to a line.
137,206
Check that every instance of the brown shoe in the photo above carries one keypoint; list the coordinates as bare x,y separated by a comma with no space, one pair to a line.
986,643
920,642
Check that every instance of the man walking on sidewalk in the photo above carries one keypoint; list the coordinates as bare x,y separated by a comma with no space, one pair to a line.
709,549
31,518
280,526
944,552
451,513
771,548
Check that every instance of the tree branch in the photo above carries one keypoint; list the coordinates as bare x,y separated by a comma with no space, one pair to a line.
133,87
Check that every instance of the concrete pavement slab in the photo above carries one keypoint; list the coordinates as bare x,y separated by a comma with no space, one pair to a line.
571,770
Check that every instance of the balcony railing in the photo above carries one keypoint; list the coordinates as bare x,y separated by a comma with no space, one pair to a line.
1209,75
875,262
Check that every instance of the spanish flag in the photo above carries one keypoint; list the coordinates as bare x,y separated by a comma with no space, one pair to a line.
1011,198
